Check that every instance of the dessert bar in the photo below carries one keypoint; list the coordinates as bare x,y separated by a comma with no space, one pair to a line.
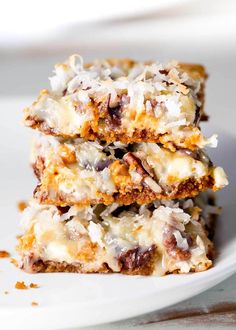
124,100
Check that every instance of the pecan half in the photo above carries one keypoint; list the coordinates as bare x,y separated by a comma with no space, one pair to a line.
131,159
141,155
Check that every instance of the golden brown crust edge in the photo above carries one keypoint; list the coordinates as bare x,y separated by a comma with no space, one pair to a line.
62,267
132,262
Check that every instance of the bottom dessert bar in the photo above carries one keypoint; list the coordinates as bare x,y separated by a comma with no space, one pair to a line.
159,238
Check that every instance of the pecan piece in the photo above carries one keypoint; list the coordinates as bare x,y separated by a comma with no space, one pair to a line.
39,167
131,159
113,112
134,161
141,155
170,243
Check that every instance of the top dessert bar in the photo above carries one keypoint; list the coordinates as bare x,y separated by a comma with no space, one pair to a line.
123,100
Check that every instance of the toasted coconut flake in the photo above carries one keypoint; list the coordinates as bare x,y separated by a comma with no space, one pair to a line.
152,184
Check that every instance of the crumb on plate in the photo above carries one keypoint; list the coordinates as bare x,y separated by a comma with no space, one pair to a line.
14,262
4,254
33,286
21,285
34,303
21,206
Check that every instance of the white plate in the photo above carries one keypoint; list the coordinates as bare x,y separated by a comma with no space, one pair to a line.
72,300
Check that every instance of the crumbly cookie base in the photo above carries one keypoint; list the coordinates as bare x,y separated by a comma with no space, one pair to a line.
112,135
188,188
147,268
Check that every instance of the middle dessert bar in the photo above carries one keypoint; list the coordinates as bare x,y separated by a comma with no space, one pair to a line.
78,172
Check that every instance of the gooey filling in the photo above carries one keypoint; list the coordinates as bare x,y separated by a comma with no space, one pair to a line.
128,96
85,169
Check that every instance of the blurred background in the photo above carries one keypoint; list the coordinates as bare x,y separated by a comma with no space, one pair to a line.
34,35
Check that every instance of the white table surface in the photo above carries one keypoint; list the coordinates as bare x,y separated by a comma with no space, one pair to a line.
24,73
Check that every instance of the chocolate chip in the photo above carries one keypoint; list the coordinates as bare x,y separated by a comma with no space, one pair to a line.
103,163
165,72
197,116
119,153
115,113
136,258
204,117
63,209
168,83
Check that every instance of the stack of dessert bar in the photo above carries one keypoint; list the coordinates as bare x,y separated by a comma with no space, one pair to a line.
121,171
